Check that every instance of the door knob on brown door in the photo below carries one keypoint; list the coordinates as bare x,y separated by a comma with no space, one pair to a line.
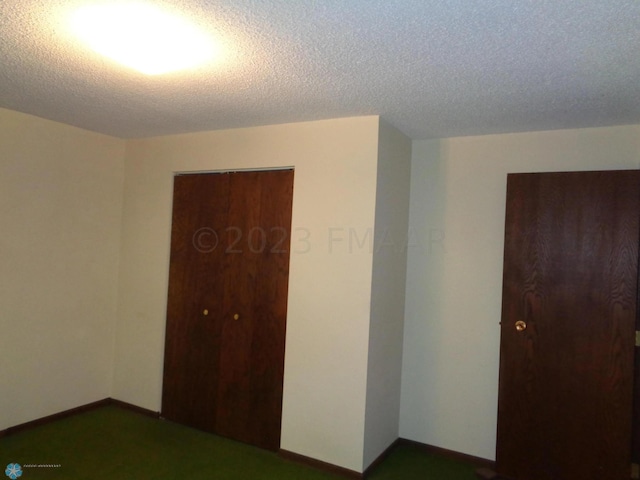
205,312
521,326
236,316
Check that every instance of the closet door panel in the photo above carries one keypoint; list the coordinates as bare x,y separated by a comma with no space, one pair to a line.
267,354
193,329
234,387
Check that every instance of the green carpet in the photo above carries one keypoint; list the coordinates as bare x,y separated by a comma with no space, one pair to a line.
113,443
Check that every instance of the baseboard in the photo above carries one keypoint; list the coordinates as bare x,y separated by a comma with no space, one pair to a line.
482,464
319,464
478,462
331,468
74,411
485,466
134,408
56,416
381,458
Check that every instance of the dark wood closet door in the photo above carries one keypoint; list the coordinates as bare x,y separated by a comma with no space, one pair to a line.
192,338
567,330
226,315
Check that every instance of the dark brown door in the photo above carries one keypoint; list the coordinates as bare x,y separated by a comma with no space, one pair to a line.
226,313
567,330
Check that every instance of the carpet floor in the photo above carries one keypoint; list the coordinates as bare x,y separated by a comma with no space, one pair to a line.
114,443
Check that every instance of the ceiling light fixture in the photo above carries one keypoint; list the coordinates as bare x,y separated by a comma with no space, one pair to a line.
143,37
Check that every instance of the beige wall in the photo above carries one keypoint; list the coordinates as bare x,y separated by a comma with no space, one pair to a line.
60,215
384,365
454,275
330,282
64,236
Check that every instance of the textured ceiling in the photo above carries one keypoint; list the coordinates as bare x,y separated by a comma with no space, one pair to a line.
432,68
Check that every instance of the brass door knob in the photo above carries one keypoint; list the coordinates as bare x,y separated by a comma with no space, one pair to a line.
236,316
205,312
521,326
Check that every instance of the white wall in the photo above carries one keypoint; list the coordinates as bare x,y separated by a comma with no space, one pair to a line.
329,287
387,292
60,214
454,274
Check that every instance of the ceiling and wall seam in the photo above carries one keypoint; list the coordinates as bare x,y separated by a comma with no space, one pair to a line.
431,69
